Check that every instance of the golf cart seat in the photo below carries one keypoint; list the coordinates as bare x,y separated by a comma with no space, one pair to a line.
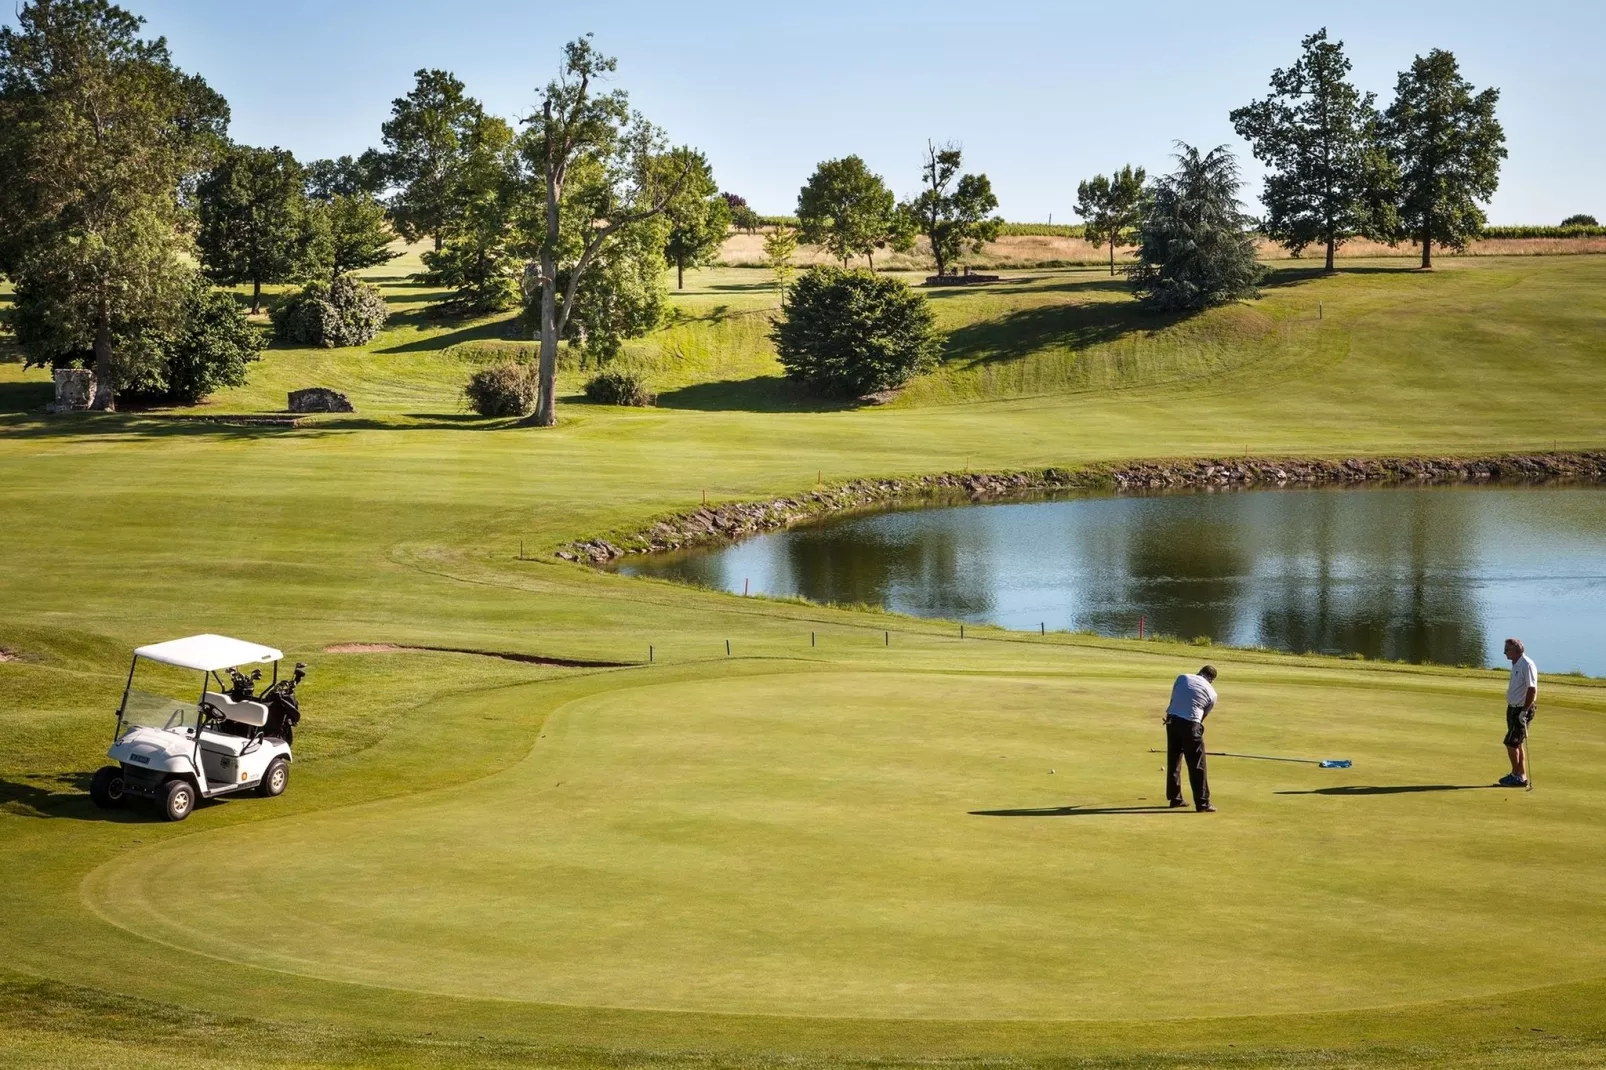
242,711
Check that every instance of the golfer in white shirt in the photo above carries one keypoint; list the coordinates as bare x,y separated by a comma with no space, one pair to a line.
1521,693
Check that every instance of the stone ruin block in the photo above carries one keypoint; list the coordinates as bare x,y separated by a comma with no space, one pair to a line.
75,389
319,399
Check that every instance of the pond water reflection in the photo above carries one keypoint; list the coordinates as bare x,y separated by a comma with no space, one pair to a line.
1435,574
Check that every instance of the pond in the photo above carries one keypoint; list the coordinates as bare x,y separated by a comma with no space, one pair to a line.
1421,574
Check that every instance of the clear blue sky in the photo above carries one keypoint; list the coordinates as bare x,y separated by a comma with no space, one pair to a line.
1039,94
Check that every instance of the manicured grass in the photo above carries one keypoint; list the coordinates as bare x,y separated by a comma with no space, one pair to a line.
772,857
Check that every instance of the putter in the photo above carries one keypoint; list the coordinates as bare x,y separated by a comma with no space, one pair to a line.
1323,763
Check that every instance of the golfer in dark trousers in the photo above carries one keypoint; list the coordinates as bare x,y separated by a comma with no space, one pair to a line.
1192,699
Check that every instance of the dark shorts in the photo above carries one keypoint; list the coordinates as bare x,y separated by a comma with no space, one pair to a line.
1517,725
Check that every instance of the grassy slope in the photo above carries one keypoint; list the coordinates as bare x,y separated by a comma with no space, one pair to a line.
403,527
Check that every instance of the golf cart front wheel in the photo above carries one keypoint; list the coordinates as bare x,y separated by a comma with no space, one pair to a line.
275,780
177,800
107,789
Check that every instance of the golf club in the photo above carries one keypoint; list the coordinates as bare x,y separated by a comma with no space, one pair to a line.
1325,763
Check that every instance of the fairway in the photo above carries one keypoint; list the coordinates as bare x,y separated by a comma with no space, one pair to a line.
839,838
940,845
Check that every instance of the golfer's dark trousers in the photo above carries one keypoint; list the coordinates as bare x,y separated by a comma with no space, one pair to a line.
1184,742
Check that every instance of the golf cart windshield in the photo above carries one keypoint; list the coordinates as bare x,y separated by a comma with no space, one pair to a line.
163,696
152,710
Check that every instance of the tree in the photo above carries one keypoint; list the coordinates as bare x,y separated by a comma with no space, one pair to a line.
1446,145
699,218
99,132
479,259
851,333
622,293
349,233
611,154
1112,208
252,216
1329,176
846,209
427,140
952,210
1580,220
780,245
743,217
327,179
1196,249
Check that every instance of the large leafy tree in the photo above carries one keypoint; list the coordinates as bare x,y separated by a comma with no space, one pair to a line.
428,139
253,222
743,216
1446,144
346,176
699,217
1329,179
847,210
952,210
597,171
1196,247
350,231
479,260
99,133
1111,208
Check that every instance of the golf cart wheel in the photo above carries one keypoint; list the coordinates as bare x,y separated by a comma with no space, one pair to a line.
275,779
107,789
177,800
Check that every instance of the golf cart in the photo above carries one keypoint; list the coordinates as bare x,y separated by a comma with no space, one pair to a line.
229,740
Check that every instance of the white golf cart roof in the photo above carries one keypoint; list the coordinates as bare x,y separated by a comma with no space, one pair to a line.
208,653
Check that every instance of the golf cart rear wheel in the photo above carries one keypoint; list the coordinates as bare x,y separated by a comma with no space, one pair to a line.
275,779
177,800
107,788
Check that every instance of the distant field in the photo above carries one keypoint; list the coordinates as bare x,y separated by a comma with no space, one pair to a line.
841,843
1029,245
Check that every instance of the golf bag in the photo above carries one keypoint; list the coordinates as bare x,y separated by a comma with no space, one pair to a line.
284,712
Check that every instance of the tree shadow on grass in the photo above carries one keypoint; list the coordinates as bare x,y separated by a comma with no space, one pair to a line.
1279,277
505,329
1393,789
1029,330
26,397
761,393
1077,811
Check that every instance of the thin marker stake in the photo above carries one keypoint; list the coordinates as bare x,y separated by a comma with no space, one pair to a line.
887,636
727,648
744,586
649,653
1042,628
961,631
811,639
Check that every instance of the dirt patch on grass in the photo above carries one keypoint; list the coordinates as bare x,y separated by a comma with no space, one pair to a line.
527,659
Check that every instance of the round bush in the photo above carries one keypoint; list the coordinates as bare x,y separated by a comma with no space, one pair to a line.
619,388
344,313
505,389
850,333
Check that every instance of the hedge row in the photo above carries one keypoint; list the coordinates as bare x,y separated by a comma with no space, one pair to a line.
1544,232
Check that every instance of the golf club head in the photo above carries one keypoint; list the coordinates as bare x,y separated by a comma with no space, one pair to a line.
1335,763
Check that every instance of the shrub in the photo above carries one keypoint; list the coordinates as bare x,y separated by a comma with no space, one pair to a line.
343,313
851,333
504,389
1569,229
1580,220
620,388
210,347
202,347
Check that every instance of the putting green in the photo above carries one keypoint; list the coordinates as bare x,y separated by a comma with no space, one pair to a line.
816,842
